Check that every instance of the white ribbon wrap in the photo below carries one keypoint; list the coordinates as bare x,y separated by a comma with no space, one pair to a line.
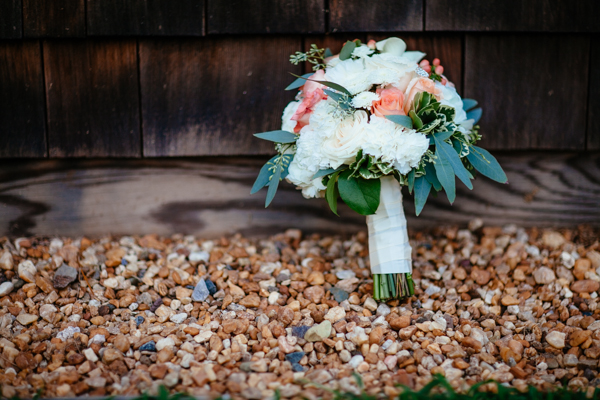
389,249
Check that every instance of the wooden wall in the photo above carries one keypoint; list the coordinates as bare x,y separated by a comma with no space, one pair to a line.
154,78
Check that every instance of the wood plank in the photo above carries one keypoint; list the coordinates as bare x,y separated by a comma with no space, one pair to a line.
207,97
448,48
532,88
11,22
92,97
266,16
593,127
145,17
512,15
22,115
375,15
210,197
56,18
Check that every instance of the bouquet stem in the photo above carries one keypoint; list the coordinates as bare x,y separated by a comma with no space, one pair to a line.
389,249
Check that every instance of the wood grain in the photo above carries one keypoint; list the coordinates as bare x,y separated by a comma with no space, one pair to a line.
533,89
207,97
145,17
55,18
512,15
11,22
375,15
448,48
22,115
92,97
266,16
210,197
593,127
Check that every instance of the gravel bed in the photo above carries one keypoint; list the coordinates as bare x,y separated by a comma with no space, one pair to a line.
124,315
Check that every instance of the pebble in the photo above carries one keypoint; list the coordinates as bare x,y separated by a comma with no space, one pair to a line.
556,339
585,286
178,318
339,294
164,343
318,332
6,288
544,275
148,346
370,304
26,319
27,271
65,275
335,314
201,292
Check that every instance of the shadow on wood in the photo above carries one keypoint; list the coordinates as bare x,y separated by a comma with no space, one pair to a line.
210,197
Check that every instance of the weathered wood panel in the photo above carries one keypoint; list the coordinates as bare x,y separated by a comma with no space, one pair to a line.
210,197
512,15
593,127
92,96
266,16
533,89
145,17
11,23
207,97
375,15
448,48
55,18
22,116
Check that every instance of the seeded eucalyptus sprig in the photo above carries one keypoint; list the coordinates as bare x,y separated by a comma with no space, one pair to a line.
314,55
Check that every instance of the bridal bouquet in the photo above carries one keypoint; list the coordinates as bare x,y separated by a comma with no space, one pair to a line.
366,122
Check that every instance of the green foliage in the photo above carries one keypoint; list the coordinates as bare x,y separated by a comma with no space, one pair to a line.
331,85
401,120
486,164
271,174
347,50
362,195
278,136
299,82
314,55
332,193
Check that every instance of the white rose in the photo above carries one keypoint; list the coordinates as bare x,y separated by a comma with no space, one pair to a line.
364,99
286,119
362,51
302,178
347,140
350,74
451,98
387,69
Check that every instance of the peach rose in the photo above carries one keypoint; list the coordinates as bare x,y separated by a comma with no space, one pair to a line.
391,101
419,85
312,93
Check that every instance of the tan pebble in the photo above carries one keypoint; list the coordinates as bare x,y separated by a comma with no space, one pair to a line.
285,315
579,337
99,320
111,355
121,343
509,301
460,273
316,278
399,322
164,355
251,301
481,276
515,346
294,305
585,286
126,301
376,335
314,294
472,343
460,363
406,333
363,367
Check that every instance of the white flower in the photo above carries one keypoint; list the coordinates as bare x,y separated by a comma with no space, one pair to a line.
302,178
393,45
387,69
347,140
362,51
350,74
394,144
364,99
286,122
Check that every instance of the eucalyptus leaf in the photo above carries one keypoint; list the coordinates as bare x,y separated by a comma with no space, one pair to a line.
422,189
278,136
263,176
486,164
411,180
475,115
325,172
328,52
431,176
332,85
447,152
273,185
442,135
332,193
299,82
445,174
469,104
347,50
401,120
287,160
361,195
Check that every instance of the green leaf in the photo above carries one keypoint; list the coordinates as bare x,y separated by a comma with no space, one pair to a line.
278,136
332,193
273,185
163,393
431,176
431,126
347,50
441,136
425,99
415,119
422,189
486,164
332,85
469,104
401,120
263,176
328,53
447,152
445,174
475,115
411,180
448,111
361,195
299,82
286,161
325,172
